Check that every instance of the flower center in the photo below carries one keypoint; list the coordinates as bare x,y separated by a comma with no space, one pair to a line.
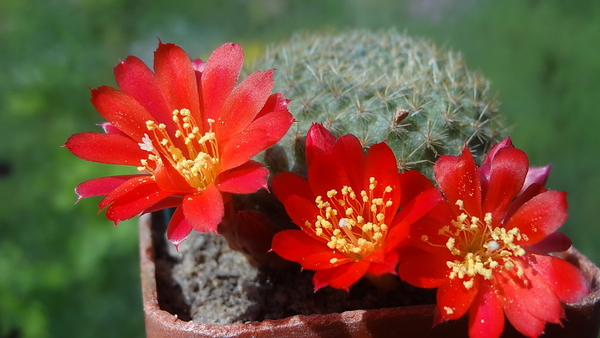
480,246
350,223
197,162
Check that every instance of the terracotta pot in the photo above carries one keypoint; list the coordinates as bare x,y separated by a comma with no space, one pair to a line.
583,318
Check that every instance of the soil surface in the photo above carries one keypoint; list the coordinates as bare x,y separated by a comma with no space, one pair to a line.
207,282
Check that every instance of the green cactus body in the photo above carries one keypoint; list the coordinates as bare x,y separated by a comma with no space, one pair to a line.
383,85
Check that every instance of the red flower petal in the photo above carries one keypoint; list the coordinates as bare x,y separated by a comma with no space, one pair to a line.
101,186
380,163
486,318
169,202
533,190
275,102
341,277
523,321
454,299
458,179
244,103
539,217
429,227
564,278
136,80
122,111
528,307
176,78
411,213
555,242
245,179
325,174
286,184
434,273
133,202
205,210
312,254
110,129
319,141
220,75
486,164
169,179
124,189
301,210
348,151
413,183
507,175
106,148
258,136
178,228
536,175
389,264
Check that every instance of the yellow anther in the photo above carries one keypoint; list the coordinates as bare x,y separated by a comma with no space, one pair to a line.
198,163
468,284
352,226
480,246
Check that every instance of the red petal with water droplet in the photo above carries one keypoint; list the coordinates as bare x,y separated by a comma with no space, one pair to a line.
176,79
312,254
101,186
179,228
539,217
455,296
137,81
507,175
458,179
244,103
106,148
219,77
486,317
245,179
319,141
204,211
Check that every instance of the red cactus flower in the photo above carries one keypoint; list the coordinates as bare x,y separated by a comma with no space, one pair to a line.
481,246
189,130
347,210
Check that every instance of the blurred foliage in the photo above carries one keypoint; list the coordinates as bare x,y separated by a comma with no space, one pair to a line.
64,272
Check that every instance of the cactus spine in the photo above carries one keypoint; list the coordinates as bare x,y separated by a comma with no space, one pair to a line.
379,86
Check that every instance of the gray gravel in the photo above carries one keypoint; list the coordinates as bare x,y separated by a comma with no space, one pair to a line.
206,282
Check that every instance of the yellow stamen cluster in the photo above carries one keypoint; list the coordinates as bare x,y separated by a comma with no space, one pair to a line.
197,160
353,223
480,246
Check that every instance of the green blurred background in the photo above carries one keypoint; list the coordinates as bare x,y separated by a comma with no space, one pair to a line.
66,272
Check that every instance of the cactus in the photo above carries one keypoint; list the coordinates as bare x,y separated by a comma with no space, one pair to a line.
380,86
